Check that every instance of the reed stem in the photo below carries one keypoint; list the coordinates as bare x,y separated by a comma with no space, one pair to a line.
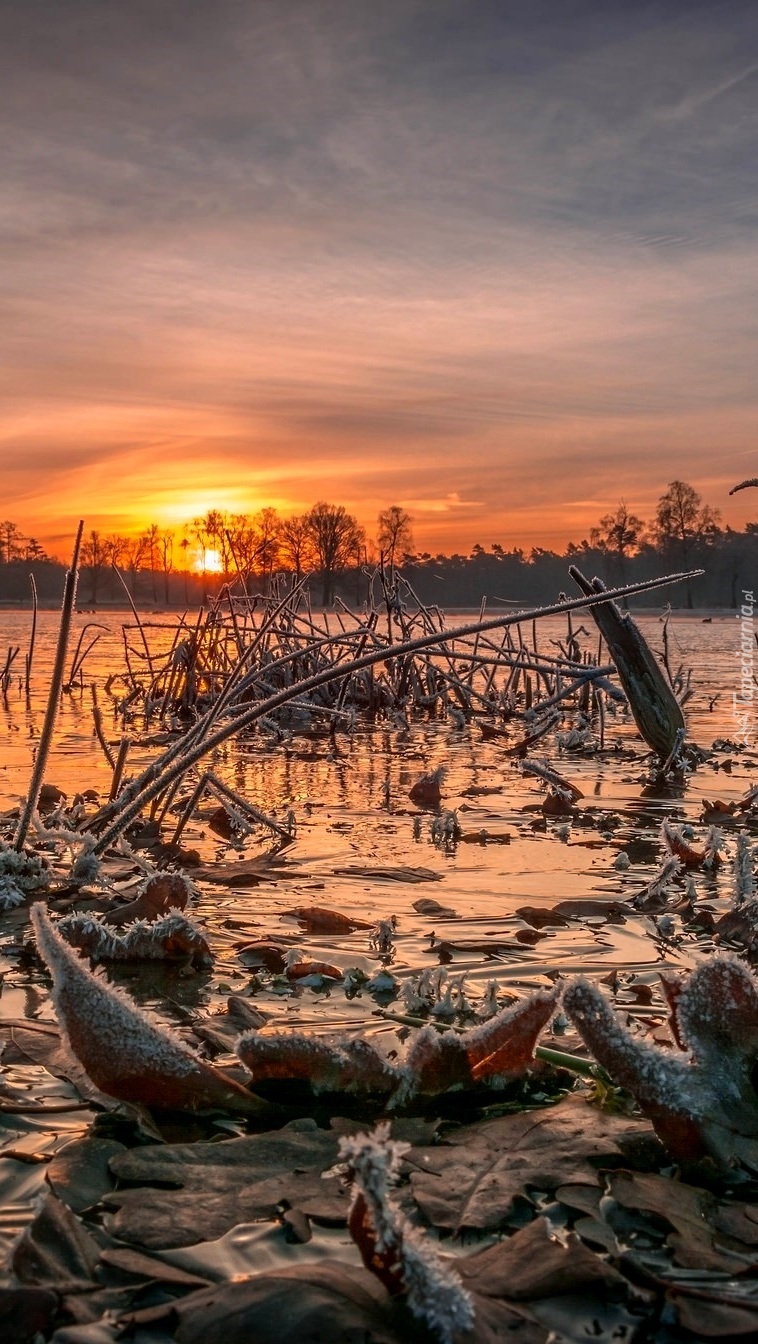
53,699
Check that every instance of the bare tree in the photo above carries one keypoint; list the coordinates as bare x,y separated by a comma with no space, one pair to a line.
336,538
133,555
266,539
395,535
295,546
10,541
682,521
94,557
619,534
166,549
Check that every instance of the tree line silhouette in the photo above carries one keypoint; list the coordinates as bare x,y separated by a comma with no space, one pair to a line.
164,567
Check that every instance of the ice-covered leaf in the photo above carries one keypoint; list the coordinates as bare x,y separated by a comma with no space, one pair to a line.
124,1050
170,937
157,895
334,1065
701,1103
402,1258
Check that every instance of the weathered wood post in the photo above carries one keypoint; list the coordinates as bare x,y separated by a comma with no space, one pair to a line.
656,710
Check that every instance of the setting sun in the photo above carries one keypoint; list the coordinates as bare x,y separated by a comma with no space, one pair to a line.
209,562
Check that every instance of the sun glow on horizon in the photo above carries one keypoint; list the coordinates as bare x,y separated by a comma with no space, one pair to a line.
209,562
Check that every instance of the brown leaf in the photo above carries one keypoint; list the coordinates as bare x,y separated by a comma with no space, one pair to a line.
299,970
426,792
317,919
307,1305
614,911
690,1212
241,873
714,1319
540,916
26,1313
235,1181
124,1051
55,1251
532,1264
166,891
426,905
79,1173
264,953
395,874
472,1179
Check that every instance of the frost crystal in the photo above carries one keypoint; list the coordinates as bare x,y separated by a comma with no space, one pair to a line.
11,894
171,938
24,870
434,1293
744,876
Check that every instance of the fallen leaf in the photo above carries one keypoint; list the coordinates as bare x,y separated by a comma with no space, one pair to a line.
614,911
317,919
695,1242
164,892
55,1250
534,1263
234,1181
541,917
26,1313
241,873
427,905
307,1305
264,953
426,792
125,1052
79,1173
395,874
472,1178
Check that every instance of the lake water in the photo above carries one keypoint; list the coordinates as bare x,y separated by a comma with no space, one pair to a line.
352,810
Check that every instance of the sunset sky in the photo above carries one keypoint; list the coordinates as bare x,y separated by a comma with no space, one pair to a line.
493,260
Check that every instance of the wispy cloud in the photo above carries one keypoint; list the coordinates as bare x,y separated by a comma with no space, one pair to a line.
427,250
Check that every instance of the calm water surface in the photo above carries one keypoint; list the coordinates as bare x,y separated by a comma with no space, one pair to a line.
352,809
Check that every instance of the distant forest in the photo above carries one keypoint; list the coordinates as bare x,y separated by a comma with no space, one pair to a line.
162,568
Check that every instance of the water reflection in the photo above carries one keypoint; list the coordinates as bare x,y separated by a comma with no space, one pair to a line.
352,809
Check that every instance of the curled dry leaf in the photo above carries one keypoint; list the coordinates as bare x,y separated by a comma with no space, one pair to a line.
427,791
126,1052
501,1046
329,1066
678,846
297,969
